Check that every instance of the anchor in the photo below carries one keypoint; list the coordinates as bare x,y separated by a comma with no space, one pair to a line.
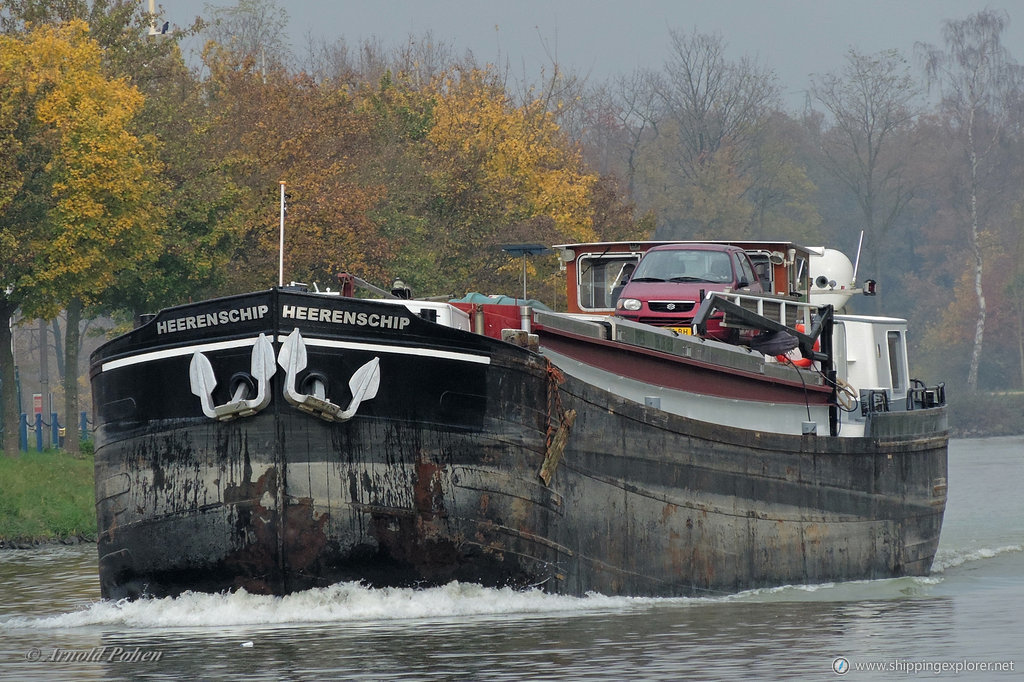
203,382
363,384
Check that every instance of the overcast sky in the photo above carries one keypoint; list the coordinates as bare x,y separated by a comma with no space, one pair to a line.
601,38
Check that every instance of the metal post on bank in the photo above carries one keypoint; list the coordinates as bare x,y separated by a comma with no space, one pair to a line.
37,412
23,432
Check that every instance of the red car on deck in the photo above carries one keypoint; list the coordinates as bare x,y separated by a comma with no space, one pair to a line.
670,281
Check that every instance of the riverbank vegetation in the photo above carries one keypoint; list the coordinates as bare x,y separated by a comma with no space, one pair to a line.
132,179
46,496
986,414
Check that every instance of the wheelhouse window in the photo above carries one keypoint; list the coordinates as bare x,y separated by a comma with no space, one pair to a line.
896,356
763,270
600,278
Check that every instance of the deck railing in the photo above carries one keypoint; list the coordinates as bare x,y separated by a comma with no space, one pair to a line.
782,309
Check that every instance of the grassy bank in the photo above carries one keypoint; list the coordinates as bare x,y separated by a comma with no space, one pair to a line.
46,496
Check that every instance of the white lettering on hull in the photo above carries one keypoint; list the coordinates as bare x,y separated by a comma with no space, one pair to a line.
345,317
214,319
218,318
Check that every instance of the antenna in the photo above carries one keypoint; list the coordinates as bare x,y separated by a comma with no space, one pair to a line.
856,263
280,246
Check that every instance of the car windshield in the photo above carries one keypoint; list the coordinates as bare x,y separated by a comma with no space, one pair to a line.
684,265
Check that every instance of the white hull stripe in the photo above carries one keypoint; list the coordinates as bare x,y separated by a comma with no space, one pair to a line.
322,343
176,352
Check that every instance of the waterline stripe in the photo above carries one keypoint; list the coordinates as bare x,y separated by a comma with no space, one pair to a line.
176,352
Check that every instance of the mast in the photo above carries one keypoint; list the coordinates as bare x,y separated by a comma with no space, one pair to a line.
280,246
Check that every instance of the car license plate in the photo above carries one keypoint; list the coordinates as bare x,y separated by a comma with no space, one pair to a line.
683,330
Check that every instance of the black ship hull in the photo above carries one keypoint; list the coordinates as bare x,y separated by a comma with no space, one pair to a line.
466,458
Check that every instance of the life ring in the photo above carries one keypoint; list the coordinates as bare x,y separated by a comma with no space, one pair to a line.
799,361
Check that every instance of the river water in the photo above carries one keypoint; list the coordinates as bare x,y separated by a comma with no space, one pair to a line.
964,621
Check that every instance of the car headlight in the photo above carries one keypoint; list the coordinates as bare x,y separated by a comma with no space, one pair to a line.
630,304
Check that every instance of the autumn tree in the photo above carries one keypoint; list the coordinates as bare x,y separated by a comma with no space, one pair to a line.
780,191
193,196
346,65
1015,296
501,174
268,127
977,78
868,108
393,179
712,167
254,29
399,116
80,192
621,118
154,65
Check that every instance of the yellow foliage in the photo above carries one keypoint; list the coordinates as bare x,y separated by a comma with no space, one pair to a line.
270,127
515,158
99,176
